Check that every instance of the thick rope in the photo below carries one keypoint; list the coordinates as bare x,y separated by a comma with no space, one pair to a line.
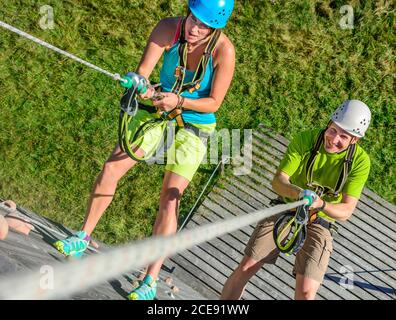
114,76
79,275
4,210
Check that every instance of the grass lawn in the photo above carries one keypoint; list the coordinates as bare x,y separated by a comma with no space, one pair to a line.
295,65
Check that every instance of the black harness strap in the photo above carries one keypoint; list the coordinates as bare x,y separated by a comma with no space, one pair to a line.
347,165
346,168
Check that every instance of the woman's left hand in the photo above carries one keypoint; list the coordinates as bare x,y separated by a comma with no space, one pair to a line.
168,102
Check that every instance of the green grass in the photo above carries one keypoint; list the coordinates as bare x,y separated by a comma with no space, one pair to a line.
294,66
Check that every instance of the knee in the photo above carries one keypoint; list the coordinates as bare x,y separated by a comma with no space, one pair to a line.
248,267
171,194
170,199
307,294
110,170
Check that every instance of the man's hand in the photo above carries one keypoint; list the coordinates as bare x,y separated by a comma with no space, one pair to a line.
318,203
310,195
148,94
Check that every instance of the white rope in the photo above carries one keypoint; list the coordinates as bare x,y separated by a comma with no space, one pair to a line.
7,211
114,76
79,275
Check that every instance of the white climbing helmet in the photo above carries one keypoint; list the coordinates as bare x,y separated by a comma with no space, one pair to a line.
353,116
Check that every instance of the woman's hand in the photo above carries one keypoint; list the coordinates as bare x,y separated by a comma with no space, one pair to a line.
168,102
148,94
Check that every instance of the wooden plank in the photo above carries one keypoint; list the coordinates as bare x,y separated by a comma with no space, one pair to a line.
242,186
221,211
244,194
359,226
217,259
379,209
270,140
241,199
261,149
382,202
349,234
270,133
266,193
234,254
340,255
188,272
209,269
364,260
378,217
266,163
377,220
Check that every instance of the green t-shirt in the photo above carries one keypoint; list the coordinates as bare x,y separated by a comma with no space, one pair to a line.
327,167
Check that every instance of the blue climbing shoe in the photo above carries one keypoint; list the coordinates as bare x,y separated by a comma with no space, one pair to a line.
146,290
73,245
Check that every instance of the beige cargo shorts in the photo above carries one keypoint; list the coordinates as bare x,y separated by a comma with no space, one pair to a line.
311,261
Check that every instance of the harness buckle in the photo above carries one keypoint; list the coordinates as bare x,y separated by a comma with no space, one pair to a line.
129,103
302,215
179,71
194,87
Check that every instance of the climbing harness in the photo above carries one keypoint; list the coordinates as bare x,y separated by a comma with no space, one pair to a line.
290,230
180,71
347,165
162,123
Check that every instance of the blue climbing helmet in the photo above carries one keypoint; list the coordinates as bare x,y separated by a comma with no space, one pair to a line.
213,13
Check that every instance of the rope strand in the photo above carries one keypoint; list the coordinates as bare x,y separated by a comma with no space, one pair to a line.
114,76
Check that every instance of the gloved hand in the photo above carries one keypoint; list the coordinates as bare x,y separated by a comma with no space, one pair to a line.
309,195
137,81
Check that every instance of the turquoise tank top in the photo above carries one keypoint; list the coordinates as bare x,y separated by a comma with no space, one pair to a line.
167,79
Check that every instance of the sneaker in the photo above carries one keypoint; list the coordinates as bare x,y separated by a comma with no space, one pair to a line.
74,245
146,290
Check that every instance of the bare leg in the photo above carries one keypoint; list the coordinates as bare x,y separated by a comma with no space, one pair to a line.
166,222
105,185
306,288
236,283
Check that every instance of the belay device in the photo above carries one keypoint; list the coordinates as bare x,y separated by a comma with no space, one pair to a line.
290,230
136,84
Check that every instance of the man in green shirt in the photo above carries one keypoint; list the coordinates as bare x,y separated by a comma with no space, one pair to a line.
328,166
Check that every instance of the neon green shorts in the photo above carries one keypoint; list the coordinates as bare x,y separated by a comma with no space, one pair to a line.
187,150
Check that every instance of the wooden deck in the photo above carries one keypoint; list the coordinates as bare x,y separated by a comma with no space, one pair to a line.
362,265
